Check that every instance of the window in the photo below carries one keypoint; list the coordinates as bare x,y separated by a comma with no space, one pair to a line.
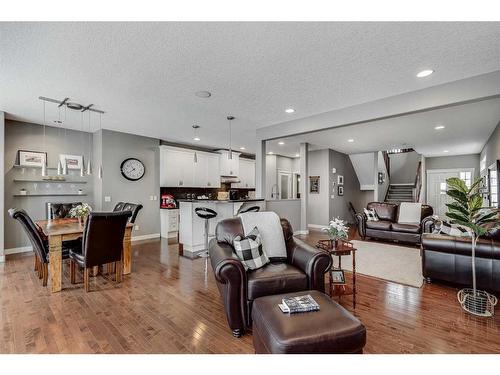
493,188
467,178
443,187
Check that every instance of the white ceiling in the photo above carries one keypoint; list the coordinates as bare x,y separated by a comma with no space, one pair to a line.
467,128
144,75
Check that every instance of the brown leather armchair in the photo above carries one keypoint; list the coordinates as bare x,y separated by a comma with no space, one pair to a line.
304,268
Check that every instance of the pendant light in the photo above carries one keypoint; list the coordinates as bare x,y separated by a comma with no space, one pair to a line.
44,165
89,162
230,155
100,129
65,164
195,138
59,163
82,166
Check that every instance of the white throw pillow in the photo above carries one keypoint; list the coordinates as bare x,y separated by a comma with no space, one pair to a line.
269,226
371,215
409,213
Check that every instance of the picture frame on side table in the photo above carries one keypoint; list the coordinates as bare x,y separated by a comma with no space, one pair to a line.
338,277
71,161
27,158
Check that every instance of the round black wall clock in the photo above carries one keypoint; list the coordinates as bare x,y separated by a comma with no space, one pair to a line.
132,169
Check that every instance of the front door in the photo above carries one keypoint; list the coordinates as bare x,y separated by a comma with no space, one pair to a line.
437,187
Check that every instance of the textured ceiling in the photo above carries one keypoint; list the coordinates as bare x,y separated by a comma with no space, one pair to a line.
144,75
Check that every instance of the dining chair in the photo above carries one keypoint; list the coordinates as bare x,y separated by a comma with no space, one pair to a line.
39,244
102,244
127,206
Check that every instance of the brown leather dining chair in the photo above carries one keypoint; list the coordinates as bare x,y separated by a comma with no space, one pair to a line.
102,244
39,244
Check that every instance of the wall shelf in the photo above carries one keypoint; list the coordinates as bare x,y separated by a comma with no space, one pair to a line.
50,195
51,181
27,167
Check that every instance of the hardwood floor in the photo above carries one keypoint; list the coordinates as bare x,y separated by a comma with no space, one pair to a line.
170,305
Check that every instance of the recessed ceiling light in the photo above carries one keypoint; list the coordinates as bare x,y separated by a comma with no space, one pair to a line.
439,127
196,139
242,148
446,151
297,155
270,153
281,143
425,73
203,94
350,140
289,110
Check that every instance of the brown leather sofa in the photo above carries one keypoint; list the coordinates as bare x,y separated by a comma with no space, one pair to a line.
304,268
448,258
387,227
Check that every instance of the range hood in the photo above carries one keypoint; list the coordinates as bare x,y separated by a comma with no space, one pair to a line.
229,179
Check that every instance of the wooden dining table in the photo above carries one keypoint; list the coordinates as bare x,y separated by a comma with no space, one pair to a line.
59,230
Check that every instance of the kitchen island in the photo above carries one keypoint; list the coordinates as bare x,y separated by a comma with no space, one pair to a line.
192,227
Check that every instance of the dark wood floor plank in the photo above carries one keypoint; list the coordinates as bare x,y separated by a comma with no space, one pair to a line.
169,304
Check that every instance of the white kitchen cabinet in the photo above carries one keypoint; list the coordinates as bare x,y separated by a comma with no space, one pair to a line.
246,174
178,168
169,222
229,167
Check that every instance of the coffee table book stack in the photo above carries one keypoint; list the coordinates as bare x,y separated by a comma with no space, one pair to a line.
298,304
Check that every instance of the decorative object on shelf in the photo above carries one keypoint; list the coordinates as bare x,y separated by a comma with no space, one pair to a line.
23,192
340,179
338,277
132,169
80,192
314,184
71,161
340,190
466,210
80,212
230,154
31,158
336,230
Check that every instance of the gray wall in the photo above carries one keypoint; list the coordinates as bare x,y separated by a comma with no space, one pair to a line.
491,150
452,162
271,176
288,208
403,167
382,188
2,198
318,204
117,147
24,136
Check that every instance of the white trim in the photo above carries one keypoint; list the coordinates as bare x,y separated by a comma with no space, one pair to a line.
452,170
367,187
2,258
297,232
145,237
316,226
407,184
17,250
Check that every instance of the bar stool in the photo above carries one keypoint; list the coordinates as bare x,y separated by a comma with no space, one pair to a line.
206,214
250,209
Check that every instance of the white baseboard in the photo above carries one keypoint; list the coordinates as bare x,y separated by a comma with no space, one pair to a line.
145,237
316,226
17,250
301,232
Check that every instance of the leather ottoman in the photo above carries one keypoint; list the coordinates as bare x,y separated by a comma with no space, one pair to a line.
332,329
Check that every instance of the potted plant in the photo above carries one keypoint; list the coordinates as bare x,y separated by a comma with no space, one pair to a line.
467,210
80,212
336,230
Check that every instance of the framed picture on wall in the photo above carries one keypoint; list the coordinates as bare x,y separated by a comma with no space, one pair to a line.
340,190
31,158
314,184
71,161
340,179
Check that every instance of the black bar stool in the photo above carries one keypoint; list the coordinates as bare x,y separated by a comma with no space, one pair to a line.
250,209
206,214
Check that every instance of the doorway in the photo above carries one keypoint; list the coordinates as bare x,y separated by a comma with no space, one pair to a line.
285,184
437,187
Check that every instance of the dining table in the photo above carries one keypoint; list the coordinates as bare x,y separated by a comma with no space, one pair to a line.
59,230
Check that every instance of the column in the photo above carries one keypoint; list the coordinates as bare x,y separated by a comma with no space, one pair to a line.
304,177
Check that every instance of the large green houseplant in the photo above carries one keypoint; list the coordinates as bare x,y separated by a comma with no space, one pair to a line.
467,210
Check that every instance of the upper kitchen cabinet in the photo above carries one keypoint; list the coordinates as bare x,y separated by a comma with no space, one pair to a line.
178,168
229,167
246,174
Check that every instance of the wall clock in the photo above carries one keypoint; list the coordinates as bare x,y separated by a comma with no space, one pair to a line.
132,169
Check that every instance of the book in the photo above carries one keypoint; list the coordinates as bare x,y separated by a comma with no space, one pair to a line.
298,304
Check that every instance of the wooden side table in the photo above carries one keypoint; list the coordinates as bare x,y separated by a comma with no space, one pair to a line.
340,248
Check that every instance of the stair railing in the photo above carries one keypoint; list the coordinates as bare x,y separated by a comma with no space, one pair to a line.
417,186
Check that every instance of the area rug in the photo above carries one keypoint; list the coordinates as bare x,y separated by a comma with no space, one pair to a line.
399,264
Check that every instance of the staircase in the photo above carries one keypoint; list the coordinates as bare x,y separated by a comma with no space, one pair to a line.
400,193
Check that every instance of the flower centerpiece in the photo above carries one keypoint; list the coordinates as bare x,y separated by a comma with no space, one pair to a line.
336,230
80,212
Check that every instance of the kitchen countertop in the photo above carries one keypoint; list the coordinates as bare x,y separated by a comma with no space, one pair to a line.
221,201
